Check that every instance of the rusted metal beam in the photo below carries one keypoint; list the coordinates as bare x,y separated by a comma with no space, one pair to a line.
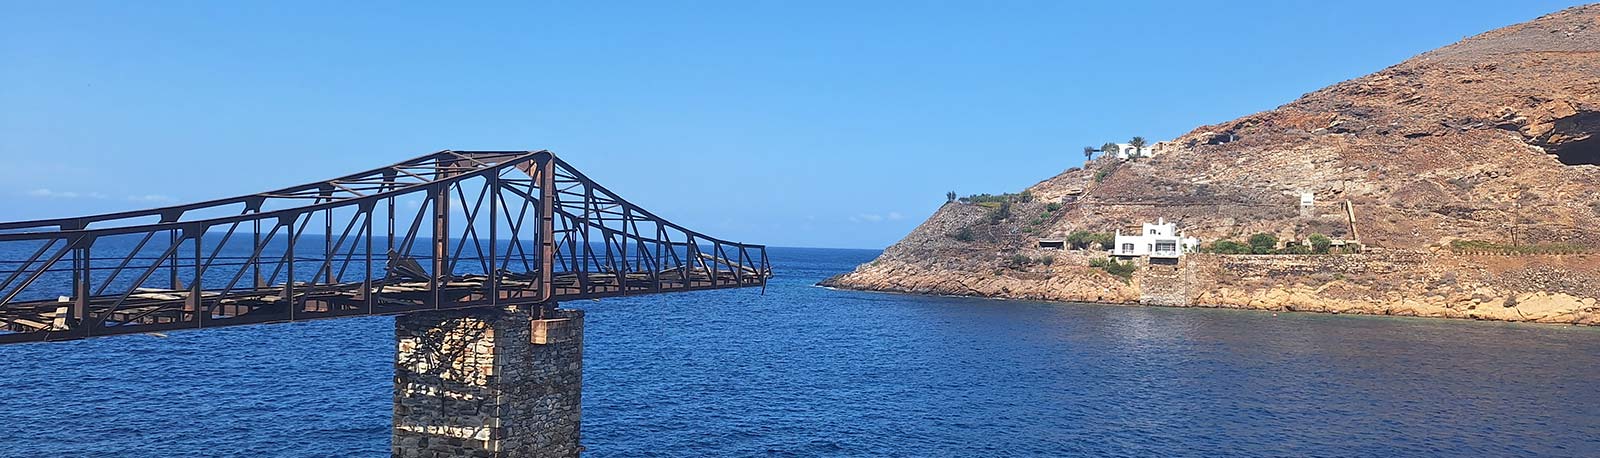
589,244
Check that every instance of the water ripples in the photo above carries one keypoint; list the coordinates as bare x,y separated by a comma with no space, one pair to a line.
811,372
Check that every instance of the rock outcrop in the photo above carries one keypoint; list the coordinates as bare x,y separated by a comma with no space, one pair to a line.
1493,139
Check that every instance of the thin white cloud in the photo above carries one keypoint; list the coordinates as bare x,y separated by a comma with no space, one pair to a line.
47,193
150,198
876,218
53,194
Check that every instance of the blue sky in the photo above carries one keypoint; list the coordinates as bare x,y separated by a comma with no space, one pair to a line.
833,124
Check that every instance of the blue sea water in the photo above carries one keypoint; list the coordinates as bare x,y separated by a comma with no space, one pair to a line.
805,371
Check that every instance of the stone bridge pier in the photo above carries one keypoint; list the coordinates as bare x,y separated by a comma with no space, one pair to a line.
488,382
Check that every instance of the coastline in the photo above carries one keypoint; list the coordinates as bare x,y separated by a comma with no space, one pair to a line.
1541,289
1576,326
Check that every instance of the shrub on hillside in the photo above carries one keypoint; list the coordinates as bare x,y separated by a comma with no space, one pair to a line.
1123,270
1000,213
1320,243
1083,239
1025,196
1263,243
1229,247
1020,260
1101,174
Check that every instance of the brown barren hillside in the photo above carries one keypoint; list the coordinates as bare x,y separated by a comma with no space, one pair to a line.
1491,139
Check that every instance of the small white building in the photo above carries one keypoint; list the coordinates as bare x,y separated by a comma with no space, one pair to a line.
1125,151
1159,240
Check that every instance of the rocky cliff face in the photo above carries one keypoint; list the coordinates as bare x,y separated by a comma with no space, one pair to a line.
1492,138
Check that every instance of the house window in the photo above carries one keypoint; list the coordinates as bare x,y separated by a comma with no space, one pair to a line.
1166,247
1152,232
1127,248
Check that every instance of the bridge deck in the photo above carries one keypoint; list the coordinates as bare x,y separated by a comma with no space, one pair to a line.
149,309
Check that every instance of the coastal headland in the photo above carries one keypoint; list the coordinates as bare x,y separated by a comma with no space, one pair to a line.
1459,183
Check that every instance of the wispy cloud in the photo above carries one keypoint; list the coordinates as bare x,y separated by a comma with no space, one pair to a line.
150,198
876,218
53,194
47,193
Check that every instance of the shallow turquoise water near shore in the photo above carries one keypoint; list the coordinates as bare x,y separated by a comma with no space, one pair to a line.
806,371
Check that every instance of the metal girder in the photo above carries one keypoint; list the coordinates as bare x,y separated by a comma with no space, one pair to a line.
504,228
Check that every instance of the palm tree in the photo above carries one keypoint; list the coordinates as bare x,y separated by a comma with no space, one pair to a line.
1088,152
1138,145
1109,148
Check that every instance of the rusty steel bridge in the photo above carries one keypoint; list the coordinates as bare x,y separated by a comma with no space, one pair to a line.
449,230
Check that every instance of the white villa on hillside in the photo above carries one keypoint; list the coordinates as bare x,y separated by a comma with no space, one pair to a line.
1159,240
1125,151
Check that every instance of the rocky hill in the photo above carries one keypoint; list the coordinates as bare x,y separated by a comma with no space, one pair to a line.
1491,140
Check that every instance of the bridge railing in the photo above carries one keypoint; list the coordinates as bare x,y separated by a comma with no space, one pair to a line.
447,230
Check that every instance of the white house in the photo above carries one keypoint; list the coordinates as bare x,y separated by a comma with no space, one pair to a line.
1159,240
1125,151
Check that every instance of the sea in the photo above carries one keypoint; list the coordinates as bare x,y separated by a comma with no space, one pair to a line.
798,370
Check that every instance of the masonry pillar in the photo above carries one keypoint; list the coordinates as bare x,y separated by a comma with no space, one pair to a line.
488,382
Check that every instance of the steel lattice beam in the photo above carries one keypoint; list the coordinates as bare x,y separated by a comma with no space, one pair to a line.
459,229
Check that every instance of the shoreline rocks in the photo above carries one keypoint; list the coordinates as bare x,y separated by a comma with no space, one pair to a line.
1394,284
